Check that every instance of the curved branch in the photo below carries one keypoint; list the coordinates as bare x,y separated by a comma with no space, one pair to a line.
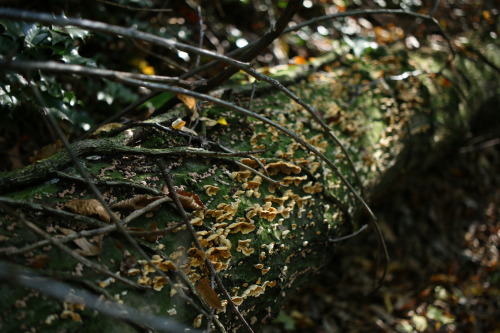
57,67
115,30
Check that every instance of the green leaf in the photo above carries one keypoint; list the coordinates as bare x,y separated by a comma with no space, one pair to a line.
16,29
437,314
157,101
7,44
284,319
73,32
73,57
34,35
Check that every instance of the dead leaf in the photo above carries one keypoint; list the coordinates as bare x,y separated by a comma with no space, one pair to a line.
46,151
222,121
136,202
151,238
190,200
41,261
299,60
86,248
106,128
88,207
178,124
208,294
129,262
188,101
209,122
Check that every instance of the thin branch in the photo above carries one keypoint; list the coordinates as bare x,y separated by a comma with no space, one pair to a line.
93,188
250,53
97,267
47,168
208,263
288,132
68,216
315,116
84,233
57,67
134,8
201,35
115,30
357,232
434,8
128,184
15,275
359,12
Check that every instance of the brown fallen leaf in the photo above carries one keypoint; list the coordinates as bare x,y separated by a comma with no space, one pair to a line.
190,200
88,207
46,151
208,294
136,202
86,248
189,101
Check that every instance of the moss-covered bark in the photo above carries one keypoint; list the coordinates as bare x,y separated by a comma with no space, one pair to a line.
264,240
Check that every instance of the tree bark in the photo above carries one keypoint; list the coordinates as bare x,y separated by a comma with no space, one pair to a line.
263,239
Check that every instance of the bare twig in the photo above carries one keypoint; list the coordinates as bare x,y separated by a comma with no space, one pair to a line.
115,30
128,184
15,275
359,12
69,216
288,132
93,188
201,35
57,67
161,10
208,263
251,52
357,232
97,267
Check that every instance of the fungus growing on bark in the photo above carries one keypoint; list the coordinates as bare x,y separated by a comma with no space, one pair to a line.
267,211
278,200
281,166
224,211
237,300
144,280
159,282
244,247
211,190
240,176
253,184
219,252
243,227
296,180
249,162
311,189
196,221
197,257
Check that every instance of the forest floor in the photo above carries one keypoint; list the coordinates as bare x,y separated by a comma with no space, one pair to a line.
442,226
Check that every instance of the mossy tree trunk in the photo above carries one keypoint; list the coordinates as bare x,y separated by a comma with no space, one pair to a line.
266,219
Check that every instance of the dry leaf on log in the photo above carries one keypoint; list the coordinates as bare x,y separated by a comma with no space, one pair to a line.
136,202
88,207
86,248
190,200
208,294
